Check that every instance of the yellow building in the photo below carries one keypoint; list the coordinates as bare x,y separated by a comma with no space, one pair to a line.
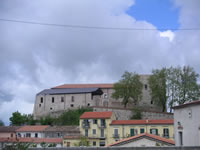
102,129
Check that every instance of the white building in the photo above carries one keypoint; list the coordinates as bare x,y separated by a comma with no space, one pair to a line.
31,131
187,124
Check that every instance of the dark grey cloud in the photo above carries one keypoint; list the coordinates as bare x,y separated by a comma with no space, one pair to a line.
34,57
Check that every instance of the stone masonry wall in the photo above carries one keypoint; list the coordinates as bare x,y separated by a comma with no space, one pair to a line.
125,114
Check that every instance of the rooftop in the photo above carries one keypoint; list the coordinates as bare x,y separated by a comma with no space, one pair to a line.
187,104
141,122
69,129
144,135
96,115
8,128
84,86
70,91
37,128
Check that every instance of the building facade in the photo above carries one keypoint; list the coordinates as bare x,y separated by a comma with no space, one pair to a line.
58,99
187,124
102,129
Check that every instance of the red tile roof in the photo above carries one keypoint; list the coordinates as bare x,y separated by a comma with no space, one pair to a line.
96,115
84,86
36,128
187,104
141,122
32,140
151,136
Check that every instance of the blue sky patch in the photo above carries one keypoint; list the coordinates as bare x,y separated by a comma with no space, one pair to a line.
160,13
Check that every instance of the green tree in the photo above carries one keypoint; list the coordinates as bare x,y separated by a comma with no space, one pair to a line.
83,142
17,119
47,120
137,114
1,123
129,88
157,83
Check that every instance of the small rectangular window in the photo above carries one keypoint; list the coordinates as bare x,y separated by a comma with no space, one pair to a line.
141,130
41,100
94,143
52,99
94,121
72,105
36,135
145,86
39,105
94,131
72,98
86,132
62,99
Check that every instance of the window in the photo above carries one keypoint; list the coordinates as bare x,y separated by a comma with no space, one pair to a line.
94,143
19,135
103,123
28,135
166,132
41,100
132,133
102,143
72,105
151,102
36,135
39,105
62,99
88,104
68,144
154,131
102,132
86,132
145,87
105,95
72,98
94,121
51,108
116,133
11,135
58,134
141,130
94,131
180,138
52,99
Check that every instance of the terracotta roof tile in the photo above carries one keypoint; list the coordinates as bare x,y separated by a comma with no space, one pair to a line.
187,104
84,86
144,135
138,122
96,115
36,128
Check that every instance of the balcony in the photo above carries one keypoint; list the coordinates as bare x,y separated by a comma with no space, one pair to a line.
102,126
85,125
115,135
165,136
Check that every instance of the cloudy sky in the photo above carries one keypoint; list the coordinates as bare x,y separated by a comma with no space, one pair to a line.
34,57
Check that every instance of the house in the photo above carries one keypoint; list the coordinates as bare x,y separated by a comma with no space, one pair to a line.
102,129
56,100
8,131
61,131
144,140
187,124
36,131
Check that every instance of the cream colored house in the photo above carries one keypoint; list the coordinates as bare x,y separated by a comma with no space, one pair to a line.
102,129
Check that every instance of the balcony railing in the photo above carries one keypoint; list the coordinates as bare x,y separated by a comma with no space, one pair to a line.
102,125
115,135
86,125
165,136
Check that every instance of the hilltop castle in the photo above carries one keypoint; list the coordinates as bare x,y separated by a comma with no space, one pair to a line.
58,99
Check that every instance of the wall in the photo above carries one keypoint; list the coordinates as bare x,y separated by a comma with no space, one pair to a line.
23,134
125,114
7,135
122,148
187,121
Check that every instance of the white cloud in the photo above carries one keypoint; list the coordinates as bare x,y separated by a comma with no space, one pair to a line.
168,34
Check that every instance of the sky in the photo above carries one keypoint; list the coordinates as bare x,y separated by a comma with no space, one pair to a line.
36,57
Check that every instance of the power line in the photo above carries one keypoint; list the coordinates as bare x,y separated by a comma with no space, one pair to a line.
91,27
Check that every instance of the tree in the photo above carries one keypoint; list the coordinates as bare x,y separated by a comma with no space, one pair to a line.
1,123
17,119
137,114
157,84
129,88
83,142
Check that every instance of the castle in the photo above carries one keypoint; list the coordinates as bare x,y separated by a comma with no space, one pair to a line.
58,99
